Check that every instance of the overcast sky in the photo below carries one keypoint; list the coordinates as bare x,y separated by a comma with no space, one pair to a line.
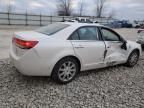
124,9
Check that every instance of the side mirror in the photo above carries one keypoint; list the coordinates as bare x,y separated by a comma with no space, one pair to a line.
124,45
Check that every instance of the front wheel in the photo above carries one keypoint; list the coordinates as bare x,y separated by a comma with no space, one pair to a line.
133,59
65,70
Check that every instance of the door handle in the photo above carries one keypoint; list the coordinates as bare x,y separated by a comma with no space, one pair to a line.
79,46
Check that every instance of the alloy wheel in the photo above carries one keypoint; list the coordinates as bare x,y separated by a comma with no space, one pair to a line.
133,58
67,71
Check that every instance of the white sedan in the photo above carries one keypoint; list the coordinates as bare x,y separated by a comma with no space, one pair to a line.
61,50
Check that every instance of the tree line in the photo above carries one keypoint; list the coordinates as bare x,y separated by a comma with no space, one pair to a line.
65,8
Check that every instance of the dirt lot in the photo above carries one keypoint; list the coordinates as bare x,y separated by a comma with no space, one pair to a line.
114,87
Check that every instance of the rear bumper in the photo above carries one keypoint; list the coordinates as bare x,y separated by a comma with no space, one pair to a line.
30,64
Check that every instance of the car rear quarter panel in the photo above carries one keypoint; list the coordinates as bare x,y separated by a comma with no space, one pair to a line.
52,51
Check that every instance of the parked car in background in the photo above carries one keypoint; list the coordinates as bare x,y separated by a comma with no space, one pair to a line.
114,24
96,21
140,38
138,24
61,50
135,24
73,20
80,20
119,24
125,24
83,20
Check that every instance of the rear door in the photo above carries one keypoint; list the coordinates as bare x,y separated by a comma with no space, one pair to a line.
88,46
114,53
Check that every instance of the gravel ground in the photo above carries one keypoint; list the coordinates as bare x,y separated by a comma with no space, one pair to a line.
114,87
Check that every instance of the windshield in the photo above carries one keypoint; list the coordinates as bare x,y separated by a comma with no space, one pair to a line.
52,28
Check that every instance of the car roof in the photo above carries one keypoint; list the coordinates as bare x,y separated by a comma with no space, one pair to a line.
82,24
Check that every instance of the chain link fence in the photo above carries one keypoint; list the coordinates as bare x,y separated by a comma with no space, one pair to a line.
39,20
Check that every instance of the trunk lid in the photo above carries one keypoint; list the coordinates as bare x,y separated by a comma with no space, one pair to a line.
30,35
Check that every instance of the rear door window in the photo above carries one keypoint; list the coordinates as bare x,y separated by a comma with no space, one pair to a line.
88,33
85,33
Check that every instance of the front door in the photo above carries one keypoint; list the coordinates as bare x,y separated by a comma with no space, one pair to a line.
115,54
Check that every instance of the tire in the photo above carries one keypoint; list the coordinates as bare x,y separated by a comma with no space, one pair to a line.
132,59
65,70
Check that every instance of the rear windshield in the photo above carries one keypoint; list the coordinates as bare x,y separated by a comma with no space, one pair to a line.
52,28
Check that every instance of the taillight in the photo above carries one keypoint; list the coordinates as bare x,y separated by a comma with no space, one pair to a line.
24,44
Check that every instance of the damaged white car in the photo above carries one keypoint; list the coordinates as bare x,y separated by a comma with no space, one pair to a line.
61,50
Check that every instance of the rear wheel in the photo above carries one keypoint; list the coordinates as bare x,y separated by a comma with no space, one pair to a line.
133,59
65,70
